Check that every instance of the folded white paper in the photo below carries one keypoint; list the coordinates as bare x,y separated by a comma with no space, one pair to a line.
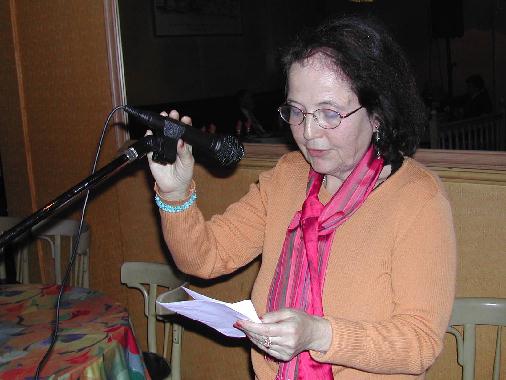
219,315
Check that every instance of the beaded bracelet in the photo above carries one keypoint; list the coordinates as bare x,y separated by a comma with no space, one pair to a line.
179,206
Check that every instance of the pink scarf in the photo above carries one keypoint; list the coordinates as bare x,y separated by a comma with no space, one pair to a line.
300,273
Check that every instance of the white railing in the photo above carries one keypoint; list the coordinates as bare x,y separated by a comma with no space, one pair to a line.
486,132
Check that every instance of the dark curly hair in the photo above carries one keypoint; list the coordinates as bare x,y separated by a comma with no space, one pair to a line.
379,74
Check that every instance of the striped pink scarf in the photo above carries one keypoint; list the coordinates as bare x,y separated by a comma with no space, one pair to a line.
300,273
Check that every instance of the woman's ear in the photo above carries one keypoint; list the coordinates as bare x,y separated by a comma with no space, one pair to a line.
375,123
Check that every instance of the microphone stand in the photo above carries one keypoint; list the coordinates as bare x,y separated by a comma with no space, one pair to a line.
164,149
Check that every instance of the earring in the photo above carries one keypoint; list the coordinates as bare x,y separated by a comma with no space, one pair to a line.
376,140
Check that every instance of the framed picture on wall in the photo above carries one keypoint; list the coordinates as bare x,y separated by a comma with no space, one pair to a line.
197,17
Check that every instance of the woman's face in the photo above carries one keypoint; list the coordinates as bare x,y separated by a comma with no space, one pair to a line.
314,84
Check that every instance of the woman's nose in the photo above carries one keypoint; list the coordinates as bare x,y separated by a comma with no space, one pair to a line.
311,127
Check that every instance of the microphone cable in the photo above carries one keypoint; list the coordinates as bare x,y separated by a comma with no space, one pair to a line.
54,334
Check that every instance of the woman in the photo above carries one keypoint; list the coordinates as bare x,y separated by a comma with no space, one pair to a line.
357,242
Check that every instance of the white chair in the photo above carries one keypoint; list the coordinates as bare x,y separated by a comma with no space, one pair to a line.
137,275
470,312
54,235
20,251
57,234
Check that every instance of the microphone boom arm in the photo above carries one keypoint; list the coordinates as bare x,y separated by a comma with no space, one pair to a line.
157,144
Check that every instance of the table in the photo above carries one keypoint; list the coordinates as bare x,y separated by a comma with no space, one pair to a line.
95,339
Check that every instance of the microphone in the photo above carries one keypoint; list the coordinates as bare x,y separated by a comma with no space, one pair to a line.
226,149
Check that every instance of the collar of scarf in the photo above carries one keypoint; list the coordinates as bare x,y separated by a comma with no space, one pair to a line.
300,273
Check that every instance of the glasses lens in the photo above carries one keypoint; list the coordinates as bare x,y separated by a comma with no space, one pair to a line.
328,118
290,114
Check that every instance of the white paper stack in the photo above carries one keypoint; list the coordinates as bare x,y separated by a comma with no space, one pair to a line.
219,315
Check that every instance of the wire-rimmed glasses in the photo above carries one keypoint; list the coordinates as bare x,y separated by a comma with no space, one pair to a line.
325,118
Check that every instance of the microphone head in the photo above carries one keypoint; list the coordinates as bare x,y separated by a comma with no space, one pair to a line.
228,150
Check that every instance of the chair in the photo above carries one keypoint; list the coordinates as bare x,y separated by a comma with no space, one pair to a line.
135,275
20,253
56,234
470,312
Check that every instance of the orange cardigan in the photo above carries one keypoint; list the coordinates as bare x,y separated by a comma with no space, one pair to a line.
390,280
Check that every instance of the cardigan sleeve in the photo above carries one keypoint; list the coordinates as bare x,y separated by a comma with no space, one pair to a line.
423,281
226,242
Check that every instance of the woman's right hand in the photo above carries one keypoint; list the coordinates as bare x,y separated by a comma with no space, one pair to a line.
173,180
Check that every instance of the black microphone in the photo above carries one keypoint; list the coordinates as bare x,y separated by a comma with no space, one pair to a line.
226,149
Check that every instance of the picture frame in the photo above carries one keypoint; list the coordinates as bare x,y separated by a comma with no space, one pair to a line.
197,17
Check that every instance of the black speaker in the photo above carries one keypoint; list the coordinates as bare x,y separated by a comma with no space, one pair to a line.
447,18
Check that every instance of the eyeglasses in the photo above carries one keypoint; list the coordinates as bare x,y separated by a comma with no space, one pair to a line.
325,118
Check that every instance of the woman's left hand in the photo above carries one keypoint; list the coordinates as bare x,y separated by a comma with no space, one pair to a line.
287,332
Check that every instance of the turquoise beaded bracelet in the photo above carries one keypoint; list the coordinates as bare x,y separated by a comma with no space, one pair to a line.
178,208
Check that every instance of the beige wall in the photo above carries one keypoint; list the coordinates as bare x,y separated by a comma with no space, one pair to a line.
479,211
54,98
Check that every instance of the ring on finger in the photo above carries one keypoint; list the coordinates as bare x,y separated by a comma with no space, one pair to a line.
267,342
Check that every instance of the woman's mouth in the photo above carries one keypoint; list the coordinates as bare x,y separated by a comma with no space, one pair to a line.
316,152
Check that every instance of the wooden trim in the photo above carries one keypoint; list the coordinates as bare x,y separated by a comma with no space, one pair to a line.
450,165
267,151
462,159
22,105
481,176
24,126
116,68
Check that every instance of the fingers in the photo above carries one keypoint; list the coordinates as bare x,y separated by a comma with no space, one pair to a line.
283,334
175,115
173,179
186,120
270,345
270,325
150,154
253,328
266,343
277,316
261,341
184,150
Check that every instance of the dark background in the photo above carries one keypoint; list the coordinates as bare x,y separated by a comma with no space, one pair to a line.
200,74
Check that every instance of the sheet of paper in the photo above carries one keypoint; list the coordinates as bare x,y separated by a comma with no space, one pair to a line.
219,315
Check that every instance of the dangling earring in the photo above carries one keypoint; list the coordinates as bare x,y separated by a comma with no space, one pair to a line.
376,140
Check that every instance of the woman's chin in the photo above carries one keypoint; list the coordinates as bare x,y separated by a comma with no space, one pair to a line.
319,166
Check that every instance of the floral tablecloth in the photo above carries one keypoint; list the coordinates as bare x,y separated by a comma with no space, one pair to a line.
95,337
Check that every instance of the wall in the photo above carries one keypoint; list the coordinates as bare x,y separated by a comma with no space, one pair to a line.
54,98
177,68
479,213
